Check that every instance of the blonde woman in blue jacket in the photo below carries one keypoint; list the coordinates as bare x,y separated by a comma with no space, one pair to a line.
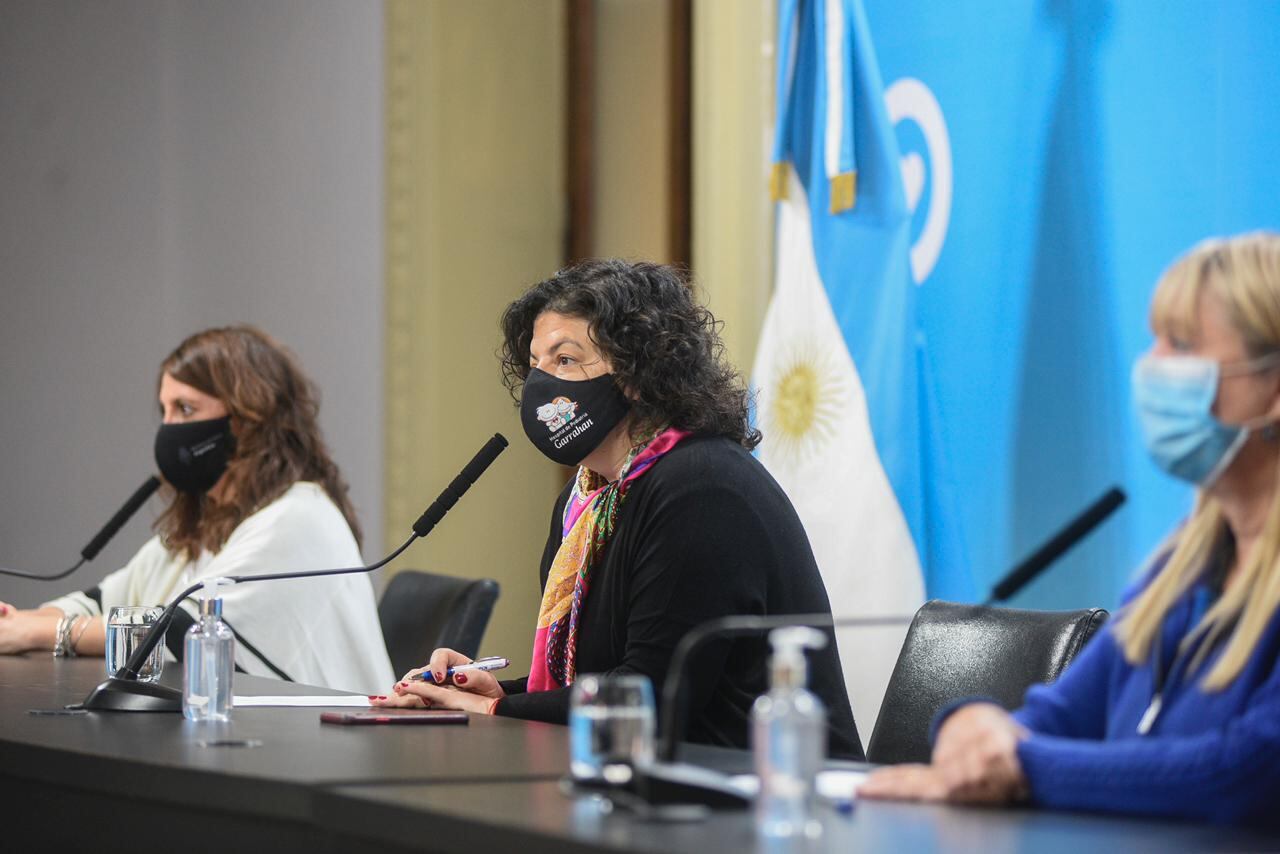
1174,709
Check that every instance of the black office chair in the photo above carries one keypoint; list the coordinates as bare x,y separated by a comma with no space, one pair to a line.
422,611
954,651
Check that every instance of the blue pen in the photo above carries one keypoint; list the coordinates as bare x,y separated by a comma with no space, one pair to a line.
491,663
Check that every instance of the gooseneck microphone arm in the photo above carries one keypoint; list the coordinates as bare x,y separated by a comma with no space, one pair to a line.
124,692
109,530
1062,542
134,664
669,782
18,573
673,700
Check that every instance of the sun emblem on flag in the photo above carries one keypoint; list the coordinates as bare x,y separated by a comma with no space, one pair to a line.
804,401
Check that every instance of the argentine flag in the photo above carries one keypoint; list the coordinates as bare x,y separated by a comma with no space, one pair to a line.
839,391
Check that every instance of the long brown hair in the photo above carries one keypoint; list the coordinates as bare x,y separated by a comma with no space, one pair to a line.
273,409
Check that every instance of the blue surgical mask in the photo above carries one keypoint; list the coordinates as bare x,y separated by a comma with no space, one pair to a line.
1174,397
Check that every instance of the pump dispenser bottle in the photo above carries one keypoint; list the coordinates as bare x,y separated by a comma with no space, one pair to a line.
788,736
209,662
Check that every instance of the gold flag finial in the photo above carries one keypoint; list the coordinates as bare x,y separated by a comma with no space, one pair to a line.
778,181
844,191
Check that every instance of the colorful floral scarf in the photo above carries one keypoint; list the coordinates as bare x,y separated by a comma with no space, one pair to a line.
588,523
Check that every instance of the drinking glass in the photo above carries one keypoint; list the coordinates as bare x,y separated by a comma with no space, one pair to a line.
127,625
611,725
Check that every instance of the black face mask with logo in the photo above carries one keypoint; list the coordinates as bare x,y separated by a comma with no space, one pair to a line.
568,419
192,456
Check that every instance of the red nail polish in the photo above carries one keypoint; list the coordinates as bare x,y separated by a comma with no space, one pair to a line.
461,679
381,697
374,697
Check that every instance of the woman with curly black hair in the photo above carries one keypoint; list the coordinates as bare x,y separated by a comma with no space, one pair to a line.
669,521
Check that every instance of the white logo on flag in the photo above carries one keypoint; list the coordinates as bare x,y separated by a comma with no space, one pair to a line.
909,99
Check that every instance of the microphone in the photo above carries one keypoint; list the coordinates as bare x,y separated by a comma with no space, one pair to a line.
124,514
459,485
123,692
109,530
667,781
1039,560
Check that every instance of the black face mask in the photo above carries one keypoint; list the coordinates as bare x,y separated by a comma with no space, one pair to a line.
567,419
192,456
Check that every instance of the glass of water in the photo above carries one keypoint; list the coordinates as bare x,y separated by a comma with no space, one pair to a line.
611,724
127,625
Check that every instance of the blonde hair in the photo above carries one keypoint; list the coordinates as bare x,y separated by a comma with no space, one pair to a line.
1243,273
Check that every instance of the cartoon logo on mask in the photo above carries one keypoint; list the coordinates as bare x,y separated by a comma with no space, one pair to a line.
558,413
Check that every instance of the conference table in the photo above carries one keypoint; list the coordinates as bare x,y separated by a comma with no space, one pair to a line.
275,778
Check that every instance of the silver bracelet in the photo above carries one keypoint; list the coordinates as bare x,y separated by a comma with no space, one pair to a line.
60,637
83,623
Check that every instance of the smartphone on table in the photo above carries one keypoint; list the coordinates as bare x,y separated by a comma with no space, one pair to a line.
395,716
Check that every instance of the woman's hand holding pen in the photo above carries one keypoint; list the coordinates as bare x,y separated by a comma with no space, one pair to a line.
468,691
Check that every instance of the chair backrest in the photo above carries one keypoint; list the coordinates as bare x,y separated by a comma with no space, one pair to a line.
954,651
422,611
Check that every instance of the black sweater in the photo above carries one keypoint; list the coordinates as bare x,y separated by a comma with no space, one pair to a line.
705,533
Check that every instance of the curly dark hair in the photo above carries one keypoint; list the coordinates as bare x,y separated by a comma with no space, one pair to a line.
274,409
664,346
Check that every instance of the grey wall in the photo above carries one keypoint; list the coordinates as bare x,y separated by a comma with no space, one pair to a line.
164,167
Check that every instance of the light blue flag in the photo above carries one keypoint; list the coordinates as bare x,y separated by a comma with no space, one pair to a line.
841,399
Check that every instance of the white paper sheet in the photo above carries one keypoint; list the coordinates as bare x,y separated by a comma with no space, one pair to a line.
839,785
833,785
354,701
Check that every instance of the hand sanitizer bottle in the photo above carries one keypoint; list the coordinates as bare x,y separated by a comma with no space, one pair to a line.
788,737
208,661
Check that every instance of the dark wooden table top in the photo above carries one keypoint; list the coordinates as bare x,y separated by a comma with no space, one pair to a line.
162,756
492,785
545,819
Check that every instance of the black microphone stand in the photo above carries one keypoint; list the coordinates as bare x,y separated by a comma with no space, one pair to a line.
124,693
667,781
